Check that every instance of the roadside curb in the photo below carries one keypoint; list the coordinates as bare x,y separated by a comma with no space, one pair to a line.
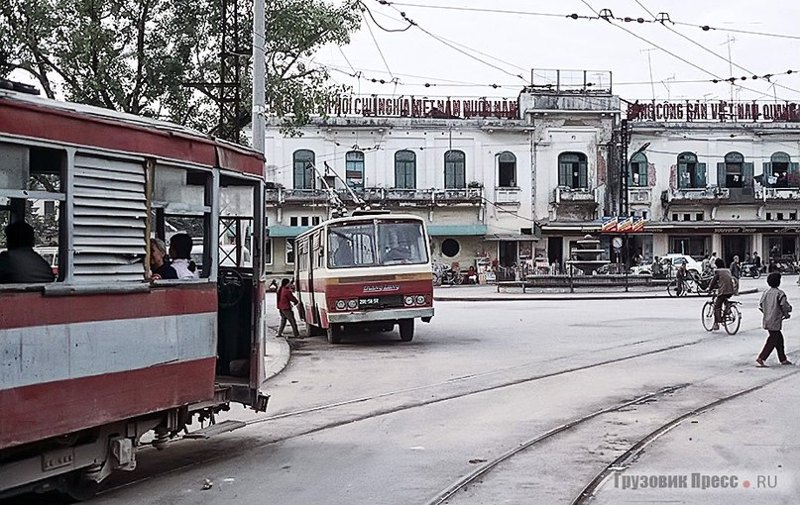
276,356
569,297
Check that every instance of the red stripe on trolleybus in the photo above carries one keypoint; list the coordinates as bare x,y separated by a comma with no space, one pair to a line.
40,411
32,309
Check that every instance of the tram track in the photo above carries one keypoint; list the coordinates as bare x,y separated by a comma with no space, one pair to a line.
391,410
621,462
630,455
502,385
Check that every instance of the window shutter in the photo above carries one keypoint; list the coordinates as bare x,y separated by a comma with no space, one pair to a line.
766,174
721,175
631,168
701,176
747,175
642,174
564,173
583,176
109,219
794,174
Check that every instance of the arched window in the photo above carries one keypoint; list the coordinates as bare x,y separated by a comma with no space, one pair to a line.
691,174
455,170
780,172
354,170
573,171
637,170
303,169
405,169
506,170
734,172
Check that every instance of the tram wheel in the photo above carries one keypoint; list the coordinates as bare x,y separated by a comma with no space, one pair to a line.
406,329
78,488
334,334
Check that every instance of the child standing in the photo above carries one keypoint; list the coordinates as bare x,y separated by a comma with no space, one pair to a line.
776,308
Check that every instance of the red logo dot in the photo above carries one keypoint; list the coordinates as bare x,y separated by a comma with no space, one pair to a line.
746,484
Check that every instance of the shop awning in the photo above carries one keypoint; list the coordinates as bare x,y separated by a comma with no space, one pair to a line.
510,237
286,231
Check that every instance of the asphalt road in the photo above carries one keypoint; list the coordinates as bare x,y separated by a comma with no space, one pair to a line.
532,399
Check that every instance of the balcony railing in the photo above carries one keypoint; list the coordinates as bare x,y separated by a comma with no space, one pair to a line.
396,196
563,194
778,194
711,194
639,195
507,195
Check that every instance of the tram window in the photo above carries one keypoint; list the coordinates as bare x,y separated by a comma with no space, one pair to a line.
351,245
268,252
31,191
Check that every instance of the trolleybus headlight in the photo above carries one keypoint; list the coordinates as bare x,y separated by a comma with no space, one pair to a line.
341,304
353,304
408,300
420,300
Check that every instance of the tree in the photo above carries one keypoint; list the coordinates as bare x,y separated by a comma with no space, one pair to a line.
140,56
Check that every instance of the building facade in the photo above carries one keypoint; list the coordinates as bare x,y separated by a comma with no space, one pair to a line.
510,182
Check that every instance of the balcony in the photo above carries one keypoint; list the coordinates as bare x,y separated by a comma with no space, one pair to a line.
698,195
281,196
778,194
507,196
562,195
640,195
427,197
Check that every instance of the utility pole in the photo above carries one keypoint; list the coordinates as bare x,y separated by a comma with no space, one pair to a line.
259,76
624,209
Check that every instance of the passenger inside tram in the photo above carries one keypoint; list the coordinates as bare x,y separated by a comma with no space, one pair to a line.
20,264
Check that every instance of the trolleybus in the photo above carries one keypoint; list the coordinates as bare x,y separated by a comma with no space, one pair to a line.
368,271
103,355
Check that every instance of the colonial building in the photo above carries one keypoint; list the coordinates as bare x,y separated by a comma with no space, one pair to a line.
729,185
484,173
506,181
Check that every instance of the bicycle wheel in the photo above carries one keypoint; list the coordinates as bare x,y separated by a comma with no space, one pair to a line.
671,287
708,316
732,320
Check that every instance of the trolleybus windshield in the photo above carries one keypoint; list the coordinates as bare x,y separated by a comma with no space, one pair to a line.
368,244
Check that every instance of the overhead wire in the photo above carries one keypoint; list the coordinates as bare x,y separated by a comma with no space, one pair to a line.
576,16
448,43
608,18
714,53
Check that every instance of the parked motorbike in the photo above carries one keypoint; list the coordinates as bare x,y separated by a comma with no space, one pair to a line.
750,270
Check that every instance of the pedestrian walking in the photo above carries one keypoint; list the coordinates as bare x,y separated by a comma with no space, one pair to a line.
285,300
775,308
736,272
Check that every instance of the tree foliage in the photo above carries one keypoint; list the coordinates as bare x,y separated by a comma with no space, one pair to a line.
161,58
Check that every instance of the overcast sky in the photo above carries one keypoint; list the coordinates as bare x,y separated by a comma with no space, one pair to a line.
517,43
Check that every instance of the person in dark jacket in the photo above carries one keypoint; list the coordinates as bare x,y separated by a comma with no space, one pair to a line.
285,300
775,308
21,264
725,285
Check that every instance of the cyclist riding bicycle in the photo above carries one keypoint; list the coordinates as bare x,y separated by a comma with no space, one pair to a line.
725,286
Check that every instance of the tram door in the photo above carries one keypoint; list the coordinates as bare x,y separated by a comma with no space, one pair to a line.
241,290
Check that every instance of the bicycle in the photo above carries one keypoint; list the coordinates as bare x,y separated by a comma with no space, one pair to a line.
731,315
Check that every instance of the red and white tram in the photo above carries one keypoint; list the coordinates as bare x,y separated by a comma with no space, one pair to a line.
368,271
96,359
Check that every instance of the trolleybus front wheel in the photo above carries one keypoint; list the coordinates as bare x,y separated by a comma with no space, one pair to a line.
334,334
406,329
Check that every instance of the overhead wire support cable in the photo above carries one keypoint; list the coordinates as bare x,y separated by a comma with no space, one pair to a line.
449,44
608,17
663,19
